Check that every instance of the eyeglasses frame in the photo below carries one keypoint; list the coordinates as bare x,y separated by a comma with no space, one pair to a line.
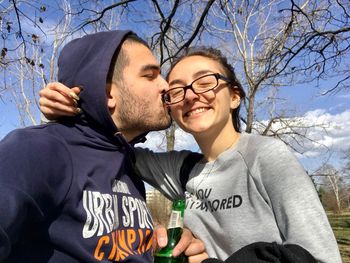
166,97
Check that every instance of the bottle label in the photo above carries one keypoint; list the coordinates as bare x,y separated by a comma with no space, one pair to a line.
175,220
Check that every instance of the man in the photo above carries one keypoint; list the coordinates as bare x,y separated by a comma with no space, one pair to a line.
68,190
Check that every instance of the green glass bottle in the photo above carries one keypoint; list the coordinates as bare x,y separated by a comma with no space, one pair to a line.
174,231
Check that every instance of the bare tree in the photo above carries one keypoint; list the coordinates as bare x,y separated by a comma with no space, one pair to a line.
274,43
31,64
334,183
14,26
24,84
160,207
325,40
346,177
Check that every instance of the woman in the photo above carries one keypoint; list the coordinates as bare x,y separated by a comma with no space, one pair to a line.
246,188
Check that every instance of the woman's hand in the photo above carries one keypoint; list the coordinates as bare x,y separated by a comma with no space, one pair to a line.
57,100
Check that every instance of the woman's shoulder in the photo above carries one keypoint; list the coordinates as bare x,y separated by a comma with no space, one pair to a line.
257,141
259,148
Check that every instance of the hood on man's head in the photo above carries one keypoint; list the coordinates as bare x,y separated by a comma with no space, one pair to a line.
85,62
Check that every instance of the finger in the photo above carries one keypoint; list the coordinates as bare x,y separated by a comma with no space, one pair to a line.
59,92
56,100
195,248
57,105
185,241
57,86
50,115
55,108
161,236
47,95
198,258
65,112
76,91
154,243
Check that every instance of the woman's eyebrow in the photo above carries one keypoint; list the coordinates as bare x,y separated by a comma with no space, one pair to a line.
201,73
176,81
194,76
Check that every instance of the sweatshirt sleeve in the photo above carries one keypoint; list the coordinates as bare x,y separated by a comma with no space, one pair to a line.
295,202
35,175
161,170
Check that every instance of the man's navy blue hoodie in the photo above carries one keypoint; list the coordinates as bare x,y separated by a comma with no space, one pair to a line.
68,192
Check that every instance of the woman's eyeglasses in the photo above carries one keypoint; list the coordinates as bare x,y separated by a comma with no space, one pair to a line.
198,86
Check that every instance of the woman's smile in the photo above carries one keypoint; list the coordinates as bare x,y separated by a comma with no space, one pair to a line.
196,111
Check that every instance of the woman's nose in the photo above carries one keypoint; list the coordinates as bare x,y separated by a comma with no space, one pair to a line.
190,95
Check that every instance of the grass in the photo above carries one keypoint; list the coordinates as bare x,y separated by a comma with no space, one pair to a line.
341,228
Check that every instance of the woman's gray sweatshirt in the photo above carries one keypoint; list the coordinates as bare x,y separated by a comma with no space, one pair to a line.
254,191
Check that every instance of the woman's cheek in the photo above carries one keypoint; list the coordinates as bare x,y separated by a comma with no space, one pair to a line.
175,113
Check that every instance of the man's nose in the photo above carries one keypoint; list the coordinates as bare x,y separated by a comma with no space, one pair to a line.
164,86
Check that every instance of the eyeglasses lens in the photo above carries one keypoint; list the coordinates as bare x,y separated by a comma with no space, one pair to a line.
198,86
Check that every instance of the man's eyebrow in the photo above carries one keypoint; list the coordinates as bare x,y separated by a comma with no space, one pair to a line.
194,76
150,67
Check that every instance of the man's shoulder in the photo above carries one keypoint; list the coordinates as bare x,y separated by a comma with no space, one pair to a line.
35,164
33,134
34,140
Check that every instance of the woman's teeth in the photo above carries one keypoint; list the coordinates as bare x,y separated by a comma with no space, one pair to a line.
199,110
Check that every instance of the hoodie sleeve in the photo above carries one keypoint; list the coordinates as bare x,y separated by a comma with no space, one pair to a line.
35,175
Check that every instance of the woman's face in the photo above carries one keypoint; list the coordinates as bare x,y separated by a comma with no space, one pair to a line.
209,112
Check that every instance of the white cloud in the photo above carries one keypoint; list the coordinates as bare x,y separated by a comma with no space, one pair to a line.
183,141
156,141
324,131
336,135
327,142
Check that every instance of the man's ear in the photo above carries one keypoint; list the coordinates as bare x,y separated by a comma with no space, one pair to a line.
111,100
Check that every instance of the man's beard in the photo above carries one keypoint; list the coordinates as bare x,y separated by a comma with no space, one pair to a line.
137,114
